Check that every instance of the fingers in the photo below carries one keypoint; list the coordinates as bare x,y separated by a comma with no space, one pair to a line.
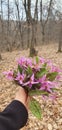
22,96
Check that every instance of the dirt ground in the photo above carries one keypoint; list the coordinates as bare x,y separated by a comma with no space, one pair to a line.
52,112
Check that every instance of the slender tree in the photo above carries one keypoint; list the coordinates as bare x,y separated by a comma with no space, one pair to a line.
42,20
19,22
60,38
30,21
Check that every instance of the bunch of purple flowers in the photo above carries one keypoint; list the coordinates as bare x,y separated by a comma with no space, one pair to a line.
39,77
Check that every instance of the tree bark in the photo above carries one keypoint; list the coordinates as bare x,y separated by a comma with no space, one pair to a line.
60,38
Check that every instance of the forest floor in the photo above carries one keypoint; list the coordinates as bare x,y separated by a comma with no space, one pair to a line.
52,112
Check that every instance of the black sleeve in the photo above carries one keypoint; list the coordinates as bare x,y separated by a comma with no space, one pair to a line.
14,116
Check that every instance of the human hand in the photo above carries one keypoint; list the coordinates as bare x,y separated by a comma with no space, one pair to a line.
22,96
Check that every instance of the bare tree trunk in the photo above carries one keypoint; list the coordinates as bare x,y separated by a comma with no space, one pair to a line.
0,57
30,21
36,21
60,38
2,21
43,34
60,46
19,22
33,36
33,52
9,47
28,36
36,11
43,24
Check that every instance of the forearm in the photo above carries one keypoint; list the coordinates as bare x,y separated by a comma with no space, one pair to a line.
14,116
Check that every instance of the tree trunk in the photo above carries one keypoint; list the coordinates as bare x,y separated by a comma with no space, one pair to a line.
33,51
19,22
59,47
60,38
0,57
28,36
43,34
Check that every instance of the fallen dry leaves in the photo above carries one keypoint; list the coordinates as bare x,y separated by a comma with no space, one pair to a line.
52,112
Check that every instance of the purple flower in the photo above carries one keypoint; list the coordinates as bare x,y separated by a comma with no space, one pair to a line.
47,86
49,63
9,75
55,69
31,81
20,78
24,62
58,77
21,61
42,60
42,79
29,62
36,67
25,75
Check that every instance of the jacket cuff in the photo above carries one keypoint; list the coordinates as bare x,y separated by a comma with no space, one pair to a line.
19,112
